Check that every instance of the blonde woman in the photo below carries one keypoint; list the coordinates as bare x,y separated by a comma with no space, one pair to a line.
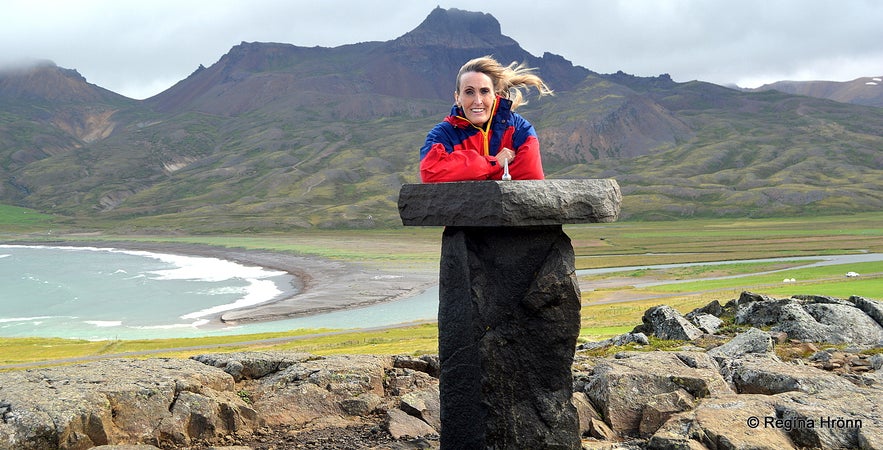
483,132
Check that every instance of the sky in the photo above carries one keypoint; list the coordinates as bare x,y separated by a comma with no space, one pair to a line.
139,48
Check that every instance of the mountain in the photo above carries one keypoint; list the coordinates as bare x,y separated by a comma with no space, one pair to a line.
861,91
275,136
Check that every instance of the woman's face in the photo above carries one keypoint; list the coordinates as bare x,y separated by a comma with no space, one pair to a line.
476,97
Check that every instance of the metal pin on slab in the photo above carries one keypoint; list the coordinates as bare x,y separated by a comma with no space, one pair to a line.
506,176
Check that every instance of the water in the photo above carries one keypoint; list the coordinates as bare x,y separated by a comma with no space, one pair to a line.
103,293
100,294
812,261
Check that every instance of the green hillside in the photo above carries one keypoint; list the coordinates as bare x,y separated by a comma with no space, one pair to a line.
276,137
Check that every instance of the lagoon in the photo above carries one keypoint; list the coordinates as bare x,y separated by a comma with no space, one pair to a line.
107,293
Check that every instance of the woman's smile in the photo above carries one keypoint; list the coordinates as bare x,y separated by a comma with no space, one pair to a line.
476,97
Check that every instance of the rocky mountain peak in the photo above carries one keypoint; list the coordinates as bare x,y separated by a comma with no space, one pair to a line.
457,28
45,81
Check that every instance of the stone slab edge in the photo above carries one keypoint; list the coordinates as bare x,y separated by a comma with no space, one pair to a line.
510,203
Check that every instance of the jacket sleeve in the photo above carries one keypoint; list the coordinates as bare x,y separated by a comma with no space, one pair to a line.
440,162
527,164
439,166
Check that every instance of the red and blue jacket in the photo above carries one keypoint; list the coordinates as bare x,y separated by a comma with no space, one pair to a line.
457,150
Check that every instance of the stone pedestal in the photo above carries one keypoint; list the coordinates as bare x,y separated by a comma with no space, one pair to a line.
509,305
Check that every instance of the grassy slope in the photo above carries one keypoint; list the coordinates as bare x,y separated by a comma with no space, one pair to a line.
596,245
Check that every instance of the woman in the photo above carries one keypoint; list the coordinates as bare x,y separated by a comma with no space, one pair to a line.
483,132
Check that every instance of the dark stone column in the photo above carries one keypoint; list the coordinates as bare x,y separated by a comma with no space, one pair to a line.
509,306
508,319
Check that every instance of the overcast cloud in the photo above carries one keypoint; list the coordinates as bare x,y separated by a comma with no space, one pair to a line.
140,48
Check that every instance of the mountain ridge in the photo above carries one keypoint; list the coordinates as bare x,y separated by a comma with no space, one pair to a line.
866,91
275,136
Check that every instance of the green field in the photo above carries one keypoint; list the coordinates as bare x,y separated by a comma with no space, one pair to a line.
612,304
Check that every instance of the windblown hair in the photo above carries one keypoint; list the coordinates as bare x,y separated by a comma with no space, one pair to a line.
510,81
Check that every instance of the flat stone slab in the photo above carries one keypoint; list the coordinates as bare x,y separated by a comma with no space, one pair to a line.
510,203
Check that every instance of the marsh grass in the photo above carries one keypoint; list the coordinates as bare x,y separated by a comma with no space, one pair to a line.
14,218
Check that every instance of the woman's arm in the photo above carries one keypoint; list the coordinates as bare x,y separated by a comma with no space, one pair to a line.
439,166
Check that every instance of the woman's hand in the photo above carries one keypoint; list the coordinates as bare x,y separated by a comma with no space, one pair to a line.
504,155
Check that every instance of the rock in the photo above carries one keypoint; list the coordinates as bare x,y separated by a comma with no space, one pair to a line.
506,344
424,405
814,319
661,407
401,381
401,425
666,323
318,387
252,365
362,404
648,400
844,324
821,356
758,374
509,203
759,311
724,423
599,430
622,339
621,387
830,419
168,401
714,308
585,411
707,323
428,364
751,341
746,298
509,304
873,308
130,447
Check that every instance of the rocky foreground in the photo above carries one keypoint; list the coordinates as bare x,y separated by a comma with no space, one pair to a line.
797,373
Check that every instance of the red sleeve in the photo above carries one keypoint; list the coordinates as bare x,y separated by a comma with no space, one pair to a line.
460,165
527,164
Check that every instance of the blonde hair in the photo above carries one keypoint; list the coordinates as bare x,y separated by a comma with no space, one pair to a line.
509,81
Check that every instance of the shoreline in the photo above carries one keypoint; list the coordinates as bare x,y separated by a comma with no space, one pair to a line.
320,285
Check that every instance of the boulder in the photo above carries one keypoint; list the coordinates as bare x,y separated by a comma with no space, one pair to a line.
361,405
622,339
318,387
763,374
427,364
621,387
815,319
751,341
402,425
707,323
873,308
162,402
424,405
665,322
585,411
831,418
791,420
661,407
252,365
724,422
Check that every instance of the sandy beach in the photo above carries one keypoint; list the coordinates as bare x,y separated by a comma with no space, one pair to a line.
321,285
